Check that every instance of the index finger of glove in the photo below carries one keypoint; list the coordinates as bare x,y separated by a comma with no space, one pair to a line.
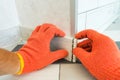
44,27
58,54
83,43
91,34
53,31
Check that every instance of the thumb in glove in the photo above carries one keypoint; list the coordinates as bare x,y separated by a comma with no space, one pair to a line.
99,54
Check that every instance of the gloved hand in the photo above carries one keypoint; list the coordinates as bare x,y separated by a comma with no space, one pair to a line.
36,54
99,54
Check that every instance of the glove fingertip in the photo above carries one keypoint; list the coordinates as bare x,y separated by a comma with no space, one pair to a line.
75,51
59,54
60,33
76,36
80,53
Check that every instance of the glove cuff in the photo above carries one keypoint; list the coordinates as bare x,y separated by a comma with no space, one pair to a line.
21,64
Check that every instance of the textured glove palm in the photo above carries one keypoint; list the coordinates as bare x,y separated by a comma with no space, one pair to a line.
99,54
36,54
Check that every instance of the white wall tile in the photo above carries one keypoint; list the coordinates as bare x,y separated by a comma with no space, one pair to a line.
95,19
8,14
105,2
81,21
116,8
114,26
99,13
84,5
26,32
98,17
9,24
35,12
9,37
113,34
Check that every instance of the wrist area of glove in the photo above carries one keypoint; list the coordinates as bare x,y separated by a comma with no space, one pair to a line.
104,71
112,71
21,60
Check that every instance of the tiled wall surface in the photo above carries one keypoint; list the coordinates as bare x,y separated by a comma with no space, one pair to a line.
8,14
96,14
34,12
9,24
113,30
9,37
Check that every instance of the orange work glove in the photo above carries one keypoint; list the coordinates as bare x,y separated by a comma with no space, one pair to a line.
36,54
99,54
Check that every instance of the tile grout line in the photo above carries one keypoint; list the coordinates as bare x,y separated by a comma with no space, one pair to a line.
59,71
97,8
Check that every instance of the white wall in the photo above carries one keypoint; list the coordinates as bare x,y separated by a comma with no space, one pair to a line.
96,14
35,12
9,24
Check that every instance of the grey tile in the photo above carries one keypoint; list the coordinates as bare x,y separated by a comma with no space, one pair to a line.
49,73
9,77
63,43
74,72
